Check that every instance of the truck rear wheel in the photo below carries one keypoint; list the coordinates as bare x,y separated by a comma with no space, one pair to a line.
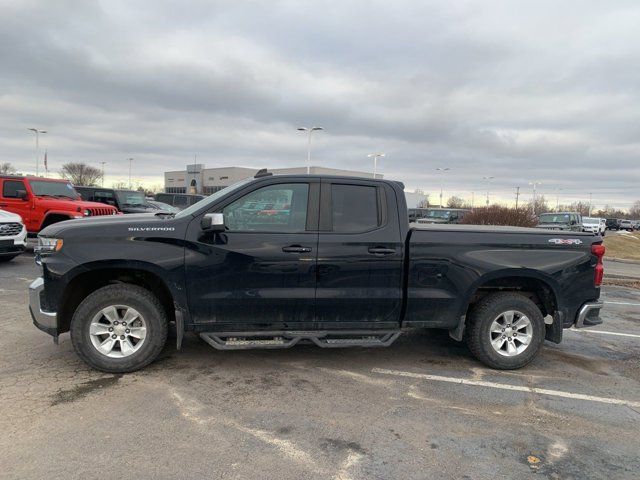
119,328
505,331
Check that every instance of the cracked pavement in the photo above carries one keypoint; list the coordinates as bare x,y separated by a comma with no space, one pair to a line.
315,413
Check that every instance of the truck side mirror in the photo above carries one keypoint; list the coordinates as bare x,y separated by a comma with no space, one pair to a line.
573,222
212,222
21,194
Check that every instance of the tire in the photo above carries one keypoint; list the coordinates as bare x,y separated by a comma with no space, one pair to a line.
495,308
143,341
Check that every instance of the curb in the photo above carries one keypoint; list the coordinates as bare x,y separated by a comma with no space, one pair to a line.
621,260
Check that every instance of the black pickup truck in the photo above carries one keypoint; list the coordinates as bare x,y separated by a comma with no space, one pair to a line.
276,260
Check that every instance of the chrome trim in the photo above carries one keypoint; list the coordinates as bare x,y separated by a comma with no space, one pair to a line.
584,311
48,320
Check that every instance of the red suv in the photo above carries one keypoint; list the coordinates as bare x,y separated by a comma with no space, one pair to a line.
43,201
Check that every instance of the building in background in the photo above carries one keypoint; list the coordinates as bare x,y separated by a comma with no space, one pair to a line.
197,179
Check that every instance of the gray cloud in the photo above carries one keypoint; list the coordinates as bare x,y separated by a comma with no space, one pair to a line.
542,91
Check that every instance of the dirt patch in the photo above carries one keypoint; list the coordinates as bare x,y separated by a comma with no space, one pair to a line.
83,389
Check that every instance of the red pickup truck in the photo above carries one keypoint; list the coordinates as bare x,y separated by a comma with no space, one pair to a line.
44,201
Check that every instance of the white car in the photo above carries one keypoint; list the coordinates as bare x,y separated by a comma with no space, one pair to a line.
13,236
593,225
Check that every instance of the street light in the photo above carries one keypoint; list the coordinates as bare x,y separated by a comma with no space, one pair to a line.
488,179
37,132
558,199
310,130
534,184
102,163
442,170
375,157
130,160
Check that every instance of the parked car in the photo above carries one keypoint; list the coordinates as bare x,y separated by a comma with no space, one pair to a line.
443,215
570,221
126,201
178,200
336,265
593,225
635,224
613,223
416,213
44,201
626,225
165,207
13,236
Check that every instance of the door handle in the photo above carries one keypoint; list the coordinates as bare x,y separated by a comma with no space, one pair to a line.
296,249
381,251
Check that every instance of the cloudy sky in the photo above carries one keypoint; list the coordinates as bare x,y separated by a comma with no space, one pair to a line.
522,91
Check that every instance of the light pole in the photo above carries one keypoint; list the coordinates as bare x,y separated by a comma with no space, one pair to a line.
442,170
558,199
102,163
375,157
130,160
37,132
310,130
534,185
590,196
487,179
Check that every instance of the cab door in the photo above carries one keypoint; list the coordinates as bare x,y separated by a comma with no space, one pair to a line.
14,197
262,270
360,253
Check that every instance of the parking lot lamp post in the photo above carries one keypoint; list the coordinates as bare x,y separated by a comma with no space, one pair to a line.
130,160
375,157
590,197
534,184
487,179
442,170
37,132
310,130
558,199
102,163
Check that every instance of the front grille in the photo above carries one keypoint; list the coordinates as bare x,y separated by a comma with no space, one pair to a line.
10,229
96,211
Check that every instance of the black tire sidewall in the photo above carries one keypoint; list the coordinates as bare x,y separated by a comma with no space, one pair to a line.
484,315
130,295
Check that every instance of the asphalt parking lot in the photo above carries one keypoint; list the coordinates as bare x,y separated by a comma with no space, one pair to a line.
423,408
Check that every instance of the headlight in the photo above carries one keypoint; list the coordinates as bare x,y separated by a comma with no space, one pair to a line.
87,213
49,245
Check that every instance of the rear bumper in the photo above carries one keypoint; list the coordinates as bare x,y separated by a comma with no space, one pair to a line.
589,314
45,321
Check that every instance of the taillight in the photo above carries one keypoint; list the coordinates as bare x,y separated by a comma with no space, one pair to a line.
598,250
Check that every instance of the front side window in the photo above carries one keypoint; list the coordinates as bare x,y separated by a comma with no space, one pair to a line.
11,187
275,208
354,208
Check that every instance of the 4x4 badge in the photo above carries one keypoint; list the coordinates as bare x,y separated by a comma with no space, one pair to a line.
566,241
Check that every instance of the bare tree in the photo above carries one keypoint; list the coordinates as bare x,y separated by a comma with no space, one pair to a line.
539,205
81,174
120,185
634,211
424,203
455,202
6,168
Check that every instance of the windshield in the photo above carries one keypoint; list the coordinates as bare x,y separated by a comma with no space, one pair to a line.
590,220
53,189
554,218
212,198
444,214
131,199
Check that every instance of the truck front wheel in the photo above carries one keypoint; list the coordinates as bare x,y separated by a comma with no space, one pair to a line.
119,328
505,331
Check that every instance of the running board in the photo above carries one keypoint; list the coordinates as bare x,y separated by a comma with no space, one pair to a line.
287,339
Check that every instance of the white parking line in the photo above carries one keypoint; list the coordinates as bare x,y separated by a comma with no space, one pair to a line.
606,333
623,303
504,386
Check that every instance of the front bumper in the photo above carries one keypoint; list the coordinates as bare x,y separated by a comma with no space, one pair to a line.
45,321
589,314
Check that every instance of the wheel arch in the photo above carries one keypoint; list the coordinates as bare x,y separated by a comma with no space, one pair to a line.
90,277
542,289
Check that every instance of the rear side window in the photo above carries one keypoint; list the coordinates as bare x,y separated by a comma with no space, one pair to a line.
10,188
354,208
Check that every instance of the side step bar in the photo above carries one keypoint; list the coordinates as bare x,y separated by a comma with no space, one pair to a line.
287,339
